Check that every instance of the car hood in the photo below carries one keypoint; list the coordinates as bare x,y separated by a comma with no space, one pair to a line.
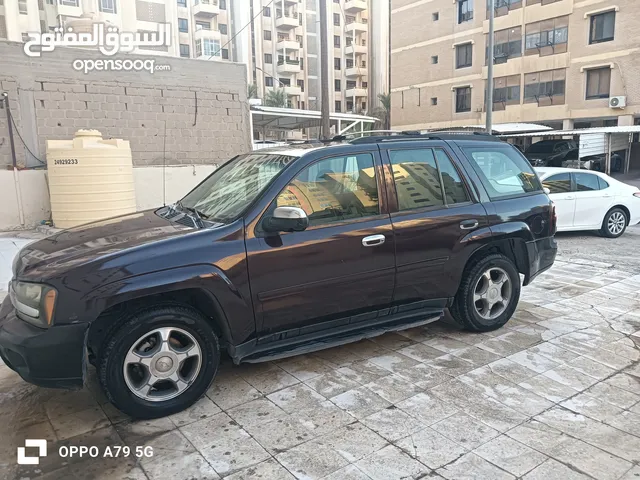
86,243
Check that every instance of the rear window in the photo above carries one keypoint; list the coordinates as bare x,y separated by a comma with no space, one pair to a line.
504,172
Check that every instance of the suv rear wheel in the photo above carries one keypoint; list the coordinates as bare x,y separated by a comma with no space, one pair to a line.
160,361
488,294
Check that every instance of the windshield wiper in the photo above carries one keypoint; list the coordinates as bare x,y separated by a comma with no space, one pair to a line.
199,215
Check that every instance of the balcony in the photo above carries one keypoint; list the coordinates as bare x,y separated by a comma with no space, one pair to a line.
287,44
356,92
357,49
206,8
288,21
203,33
293,90
357,27
355,5
289,65
355,71
69,8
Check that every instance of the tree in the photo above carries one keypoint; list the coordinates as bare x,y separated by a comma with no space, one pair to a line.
276,98
383,112
252,90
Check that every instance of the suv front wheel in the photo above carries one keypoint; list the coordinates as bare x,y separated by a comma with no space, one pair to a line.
160,361
488,294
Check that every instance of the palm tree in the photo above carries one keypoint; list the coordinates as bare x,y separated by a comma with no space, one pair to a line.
276,98
383,112
252,90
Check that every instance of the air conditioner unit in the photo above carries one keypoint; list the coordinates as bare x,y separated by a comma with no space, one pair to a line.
618,102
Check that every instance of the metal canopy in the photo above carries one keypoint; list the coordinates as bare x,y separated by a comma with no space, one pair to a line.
276,118
502,128
579,131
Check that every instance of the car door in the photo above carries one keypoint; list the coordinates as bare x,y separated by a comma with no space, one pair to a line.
591,203
341,268
433,211
561,192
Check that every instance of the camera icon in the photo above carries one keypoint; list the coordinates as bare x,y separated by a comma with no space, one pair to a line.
22,454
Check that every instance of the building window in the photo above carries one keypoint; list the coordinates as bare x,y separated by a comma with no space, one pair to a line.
336,63
547,37
545,88
301,85
268,58
203,25
349,63
603,27
465,10
338,106
107,6
211,48
182,3
434,101
435,16
223,4
336,41
266,12
183,25
502,7
299,39
349,105
267,34
184,50
464,55
22,7
506,91
222,27
598,83
463,99
68,3
434,59
336,19
507,44
337,86
268,81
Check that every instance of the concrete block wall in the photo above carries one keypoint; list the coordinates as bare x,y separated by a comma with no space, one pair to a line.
200,105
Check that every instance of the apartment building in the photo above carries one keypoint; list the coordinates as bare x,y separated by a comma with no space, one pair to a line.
280,46
563,63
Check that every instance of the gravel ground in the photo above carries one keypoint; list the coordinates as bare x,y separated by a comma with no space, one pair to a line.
620,252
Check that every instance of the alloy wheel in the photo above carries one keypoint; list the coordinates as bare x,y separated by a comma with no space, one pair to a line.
492,293
616,223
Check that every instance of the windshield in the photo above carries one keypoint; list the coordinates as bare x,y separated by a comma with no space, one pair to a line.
541,147
225,194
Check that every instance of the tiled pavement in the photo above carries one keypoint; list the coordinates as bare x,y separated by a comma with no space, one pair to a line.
554,395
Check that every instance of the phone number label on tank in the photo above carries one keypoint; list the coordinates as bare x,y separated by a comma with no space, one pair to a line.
66,161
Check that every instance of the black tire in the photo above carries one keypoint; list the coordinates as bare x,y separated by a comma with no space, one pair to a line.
608,229
464,310
111,362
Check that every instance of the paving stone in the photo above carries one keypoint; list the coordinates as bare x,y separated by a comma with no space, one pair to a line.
311,460
476,356
350,472
339,356
267,470
632,474
393,361
553,352
281,434
231,391
426,408
464,430
296,398
592,407
533,361
613,395
554,470
79,422
360,402
510,455
446,345
431,448
523,400
304,367
499,347
421,352
538,436
391,462
548,388
363,372
392,423
392,341
353,441
610,359
570,377
203,408
591,367
472,466
512,371
331,384
271,381
627,422
423,376
178,466
255,413
588,459
393,388
625,382
451,365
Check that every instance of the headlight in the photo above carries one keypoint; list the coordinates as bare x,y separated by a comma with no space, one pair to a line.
33,302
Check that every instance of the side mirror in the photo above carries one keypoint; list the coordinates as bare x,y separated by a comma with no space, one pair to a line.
546,190
286,219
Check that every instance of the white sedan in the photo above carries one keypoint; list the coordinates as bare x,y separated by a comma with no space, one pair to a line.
588,200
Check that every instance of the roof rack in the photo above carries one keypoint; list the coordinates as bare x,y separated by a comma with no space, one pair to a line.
418,135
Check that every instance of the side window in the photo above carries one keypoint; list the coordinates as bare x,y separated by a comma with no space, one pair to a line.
560,183
503,170
334,189
415,174
454,189
586,182
602,183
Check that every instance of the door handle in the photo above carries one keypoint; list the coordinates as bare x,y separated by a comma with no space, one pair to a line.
373,240
569,198
469,224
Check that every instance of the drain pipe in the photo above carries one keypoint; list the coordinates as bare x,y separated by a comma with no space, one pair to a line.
16,180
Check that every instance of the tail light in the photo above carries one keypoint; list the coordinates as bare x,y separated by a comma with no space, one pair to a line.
554,219
637,194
